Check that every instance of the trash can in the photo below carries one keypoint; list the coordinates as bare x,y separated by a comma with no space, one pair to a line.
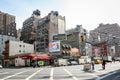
87,67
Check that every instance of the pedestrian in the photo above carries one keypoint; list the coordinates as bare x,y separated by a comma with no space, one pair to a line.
34,65
93,65
103,64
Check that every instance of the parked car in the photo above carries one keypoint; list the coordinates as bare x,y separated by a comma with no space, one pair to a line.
1,66
117,58
73,63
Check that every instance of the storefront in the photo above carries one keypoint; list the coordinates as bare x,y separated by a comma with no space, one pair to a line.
30,59
26,60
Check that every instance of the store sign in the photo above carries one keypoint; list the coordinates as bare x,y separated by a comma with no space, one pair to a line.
54,46
59,37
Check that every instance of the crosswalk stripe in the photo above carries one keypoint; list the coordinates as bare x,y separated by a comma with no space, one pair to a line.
14,75
51,74
70,74
33,74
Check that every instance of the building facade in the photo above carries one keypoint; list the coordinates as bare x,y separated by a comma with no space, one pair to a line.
7,24
74,38
28,33
20,48
3,39
109,33
52,24
18,34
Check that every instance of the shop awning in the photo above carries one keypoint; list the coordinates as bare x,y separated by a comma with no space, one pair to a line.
43,57
33,56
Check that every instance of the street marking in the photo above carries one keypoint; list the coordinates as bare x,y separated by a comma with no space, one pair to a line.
116,78
94,75
51,74
33,74
99,78
14,75
70,74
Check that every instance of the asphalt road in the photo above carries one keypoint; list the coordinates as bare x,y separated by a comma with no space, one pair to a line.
62,73
112,76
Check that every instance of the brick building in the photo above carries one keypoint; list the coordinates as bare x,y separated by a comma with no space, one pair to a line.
49,25
7,24
109,33
28,32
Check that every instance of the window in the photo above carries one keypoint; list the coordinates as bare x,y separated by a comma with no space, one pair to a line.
20,45
23,45
19,50
8,33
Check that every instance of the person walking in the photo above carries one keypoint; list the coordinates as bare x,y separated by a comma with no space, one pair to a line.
103,64
93,65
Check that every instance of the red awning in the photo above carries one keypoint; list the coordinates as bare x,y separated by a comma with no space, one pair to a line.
33,56
43,57
26,56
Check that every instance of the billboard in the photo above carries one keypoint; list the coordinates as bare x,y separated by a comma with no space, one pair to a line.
54,46
59,37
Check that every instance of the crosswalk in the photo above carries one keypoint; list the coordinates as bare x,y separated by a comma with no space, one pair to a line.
58,73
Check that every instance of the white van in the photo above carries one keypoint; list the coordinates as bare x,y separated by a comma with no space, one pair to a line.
1,66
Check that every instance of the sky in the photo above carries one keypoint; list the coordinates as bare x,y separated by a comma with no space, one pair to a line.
88,13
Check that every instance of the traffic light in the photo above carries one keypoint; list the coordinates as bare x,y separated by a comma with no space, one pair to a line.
82,38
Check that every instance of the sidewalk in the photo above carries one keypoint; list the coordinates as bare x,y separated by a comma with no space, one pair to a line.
108,67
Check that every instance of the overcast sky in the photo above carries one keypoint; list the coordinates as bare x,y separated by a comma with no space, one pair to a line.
88,13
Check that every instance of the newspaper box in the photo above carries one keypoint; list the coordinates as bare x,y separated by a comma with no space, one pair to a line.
87,66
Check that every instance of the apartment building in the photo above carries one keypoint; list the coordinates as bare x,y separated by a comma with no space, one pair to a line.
49,25
7,24
109,33
75,40
42,30
28,32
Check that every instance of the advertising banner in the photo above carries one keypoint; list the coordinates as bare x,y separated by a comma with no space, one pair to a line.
54,46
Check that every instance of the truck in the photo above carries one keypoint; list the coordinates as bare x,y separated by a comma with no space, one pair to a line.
81,61
84,60
88,60
61,62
